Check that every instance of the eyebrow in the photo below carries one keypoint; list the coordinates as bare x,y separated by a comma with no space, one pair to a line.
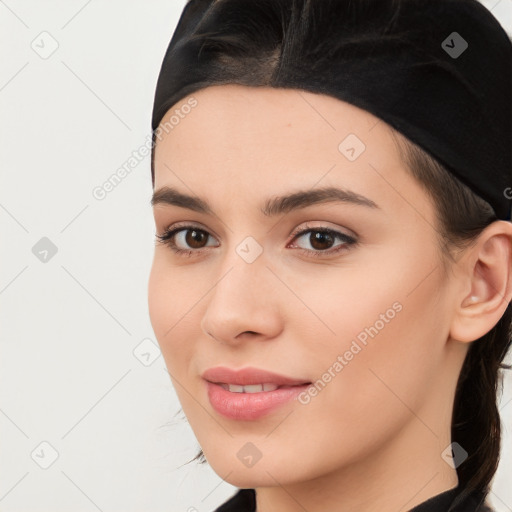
272,206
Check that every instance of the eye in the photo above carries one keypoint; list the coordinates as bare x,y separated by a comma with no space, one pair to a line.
189,237
321,240
185,240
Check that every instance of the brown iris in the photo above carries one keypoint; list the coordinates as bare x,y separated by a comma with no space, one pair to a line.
194,237
318,239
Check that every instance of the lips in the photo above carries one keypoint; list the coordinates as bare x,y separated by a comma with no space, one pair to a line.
249,380
249,394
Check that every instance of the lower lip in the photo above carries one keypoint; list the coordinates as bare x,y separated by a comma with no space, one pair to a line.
250,406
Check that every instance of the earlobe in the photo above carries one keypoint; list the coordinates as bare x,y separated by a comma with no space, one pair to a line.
486,271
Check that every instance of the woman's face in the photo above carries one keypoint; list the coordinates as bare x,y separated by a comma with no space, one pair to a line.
362,313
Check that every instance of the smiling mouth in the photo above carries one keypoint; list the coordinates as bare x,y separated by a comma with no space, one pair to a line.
251,396
255,388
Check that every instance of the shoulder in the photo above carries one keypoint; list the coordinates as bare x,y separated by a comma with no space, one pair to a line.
243,501
472,503
485,507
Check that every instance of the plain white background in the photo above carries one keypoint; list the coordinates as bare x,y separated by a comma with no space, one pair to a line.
87,412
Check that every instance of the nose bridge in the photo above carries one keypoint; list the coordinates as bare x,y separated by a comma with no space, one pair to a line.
242,297
244,270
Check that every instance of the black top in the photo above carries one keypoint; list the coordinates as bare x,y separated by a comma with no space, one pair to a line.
453,500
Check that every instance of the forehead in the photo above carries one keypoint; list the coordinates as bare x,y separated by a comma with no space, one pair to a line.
263,109
242,144
261,122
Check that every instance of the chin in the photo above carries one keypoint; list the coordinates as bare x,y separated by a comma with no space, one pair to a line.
246,478
266,472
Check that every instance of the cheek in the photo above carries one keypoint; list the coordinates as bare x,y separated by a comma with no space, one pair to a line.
172,296
382,347
160,299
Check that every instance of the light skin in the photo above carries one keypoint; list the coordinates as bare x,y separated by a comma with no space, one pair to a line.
372,439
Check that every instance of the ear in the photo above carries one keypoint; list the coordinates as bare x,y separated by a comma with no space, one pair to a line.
485,274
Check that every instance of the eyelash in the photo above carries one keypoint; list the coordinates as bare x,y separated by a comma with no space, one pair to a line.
167,239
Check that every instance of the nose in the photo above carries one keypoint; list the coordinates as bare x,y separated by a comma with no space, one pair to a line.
243,304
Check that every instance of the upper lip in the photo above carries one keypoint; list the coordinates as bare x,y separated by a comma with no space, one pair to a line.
247,376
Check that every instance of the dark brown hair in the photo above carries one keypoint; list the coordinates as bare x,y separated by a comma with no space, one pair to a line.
461,217
242,57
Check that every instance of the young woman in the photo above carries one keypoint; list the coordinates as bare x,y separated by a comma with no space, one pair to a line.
331,282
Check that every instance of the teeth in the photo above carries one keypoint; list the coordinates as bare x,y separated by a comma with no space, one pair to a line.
253,388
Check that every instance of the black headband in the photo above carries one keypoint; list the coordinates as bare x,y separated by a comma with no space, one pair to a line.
438,71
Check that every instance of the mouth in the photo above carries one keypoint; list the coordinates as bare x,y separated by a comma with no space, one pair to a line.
251,402
250,393
256,388
253,380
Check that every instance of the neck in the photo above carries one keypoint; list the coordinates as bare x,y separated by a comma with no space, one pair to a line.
405,472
